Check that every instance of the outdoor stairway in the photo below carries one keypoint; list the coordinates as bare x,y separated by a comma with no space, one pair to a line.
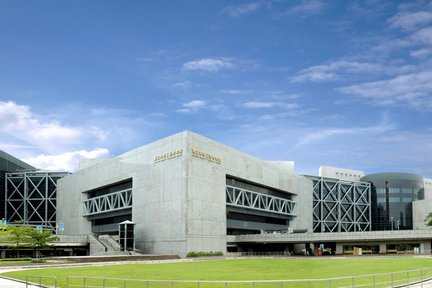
106,245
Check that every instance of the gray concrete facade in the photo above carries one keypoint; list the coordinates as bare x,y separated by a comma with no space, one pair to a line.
421,208
179,192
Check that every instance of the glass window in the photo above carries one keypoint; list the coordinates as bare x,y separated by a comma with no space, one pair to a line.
406,199
407,190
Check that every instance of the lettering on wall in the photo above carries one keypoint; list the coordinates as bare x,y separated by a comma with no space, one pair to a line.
168,155
206,156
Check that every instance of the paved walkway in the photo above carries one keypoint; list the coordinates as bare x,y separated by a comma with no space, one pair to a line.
6,283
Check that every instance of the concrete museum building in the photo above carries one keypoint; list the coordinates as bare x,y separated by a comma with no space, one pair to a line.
184,193
187,193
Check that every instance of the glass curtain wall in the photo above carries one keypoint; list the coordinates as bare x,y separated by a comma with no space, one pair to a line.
392,197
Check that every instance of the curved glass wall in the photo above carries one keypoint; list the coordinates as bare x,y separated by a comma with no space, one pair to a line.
392,197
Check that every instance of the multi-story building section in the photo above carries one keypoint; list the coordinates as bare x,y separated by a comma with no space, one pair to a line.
188,193
341,206
8,163
31,197
393,195
340,173
427,188
185,193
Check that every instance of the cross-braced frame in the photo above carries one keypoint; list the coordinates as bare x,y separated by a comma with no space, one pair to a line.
115,201
340,206
257,201
31,197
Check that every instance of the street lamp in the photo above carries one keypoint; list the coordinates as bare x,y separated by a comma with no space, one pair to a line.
391,220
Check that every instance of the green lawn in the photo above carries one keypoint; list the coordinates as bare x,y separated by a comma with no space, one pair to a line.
239,269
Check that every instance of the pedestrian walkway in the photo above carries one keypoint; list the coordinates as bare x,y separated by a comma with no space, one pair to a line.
426,284
6,283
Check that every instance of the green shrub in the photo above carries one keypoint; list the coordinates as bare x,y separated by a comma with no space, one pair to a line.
203,254
38,260
15,259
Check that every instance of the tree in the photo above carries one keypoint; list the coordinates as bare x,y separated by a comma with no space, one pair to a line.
428,220
40,239
18,236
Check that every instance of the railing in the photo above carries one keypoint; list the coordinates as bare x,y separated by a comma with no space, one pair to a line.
243,198
412,278
107,203
68,238
41,281
344,252
268,253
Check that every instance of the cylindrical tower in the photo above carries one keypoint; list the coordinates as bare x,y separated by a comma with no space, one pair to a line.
392,197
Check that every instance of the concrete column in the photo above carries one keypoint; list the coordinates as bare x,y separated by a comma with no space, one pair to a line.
425,247
315,247
382,248
339,249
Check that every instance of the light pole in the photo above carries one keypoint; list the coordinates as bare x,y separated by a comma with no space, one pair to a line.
391,220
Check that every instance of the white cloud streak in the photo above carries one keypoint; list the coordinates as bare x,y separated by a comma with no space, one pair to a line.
20,122
240,10
51,144
195,104
421,53
236,91
339,69
411,21
208,64
413,89
423,36
307,8
192,106
269,105
67,161
322,134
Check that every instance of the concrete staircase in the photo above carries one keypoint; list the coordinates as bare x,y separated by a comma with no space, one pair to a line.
96,247
109,242
104,245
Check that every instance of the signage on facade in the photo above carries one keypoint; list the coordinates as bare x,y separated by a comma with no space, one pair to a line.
168,155
206,156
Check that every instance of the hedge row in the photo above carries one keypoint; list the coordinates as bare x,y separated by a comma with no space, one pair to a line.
15,259
203,254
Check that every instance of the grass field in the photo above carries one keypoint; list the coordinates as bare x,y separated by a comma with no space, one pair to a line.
240,269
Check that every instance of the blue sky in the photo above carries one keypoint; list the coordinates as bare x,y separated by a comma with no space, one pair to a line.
336,83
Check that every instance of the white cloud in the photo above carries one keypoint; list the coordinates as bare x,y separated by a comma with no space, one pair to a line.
337,70
20,122
268,105
387,45
322,133
66,161
424,36
411,21
307,8
195,104
236,91
368,8
421,53
413,89
208,64
314,74
192,106
184,84
243,9
258,105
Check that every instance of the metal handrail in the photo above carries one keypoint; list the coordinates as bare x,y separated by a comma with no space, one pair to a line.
39,282
407,278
